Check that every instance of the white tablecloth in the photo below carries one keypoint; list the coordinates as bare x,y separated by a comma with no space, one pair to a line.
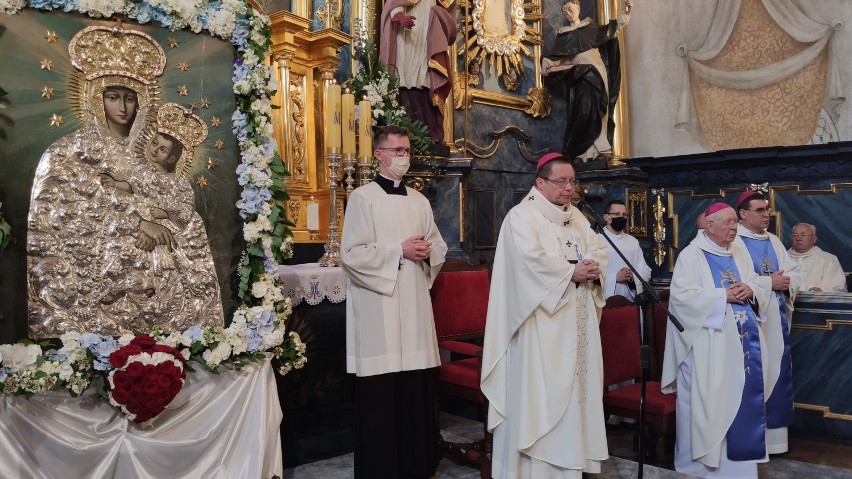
313,283
218,427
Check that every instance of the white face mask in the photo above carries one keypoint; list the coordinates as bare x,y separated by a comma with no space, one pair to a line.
399,166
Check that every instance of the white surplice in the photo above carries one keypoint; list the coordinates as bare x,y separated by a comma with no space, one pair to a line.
708,354
820,269
629,247
389,323
542,365
776,438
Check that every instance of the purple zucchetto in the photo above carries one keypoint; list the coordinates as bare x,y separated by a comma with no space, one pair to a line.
715,208
746,196
546,158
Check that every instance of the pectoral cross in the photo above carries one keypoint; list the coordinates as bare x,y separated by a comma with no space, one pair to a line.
767,266
728,277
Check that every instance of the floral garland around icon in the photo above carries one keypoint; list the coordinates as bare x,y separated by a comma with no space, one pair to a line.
84,359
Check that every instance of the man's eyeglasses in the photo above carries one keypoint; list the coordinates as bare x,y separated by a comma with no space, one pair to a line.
802,235
726,223
762,211
563,183
398,151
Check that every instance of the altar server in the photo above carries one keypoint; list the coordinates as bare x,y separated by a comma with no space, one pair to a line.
715,364
542,365
391,251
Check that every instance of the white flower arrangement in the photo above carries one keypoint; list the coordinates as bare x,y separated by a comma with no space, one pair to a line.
258,323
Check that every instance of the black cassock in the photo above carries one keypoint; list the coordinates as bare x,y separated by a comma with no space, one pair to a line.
583,88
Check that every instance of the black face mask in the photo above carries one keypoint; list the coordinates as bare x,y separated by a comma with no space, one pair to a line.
618,223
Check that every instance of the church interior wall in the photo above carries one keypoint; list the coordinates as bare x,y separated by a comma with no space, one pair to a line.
655,71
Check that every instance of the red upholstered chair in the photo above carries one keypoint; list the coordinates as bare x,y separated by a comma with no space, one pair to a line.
621,347
460,304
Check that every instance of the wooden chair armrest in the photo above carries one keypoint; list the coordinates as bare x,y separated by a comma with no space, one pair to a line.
461,347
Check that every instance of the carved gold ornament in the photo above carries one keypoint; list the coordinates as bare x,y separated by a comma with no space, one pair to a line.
47,92
219,144
183,90
212,164
201,182
51,37
173,43
215,121
56,120
183,66
499,33
46,64
204,103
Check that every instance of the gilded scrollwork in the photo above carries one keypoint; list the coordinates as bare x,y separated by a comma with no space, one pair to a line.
659,227
502,39
293,207
297,116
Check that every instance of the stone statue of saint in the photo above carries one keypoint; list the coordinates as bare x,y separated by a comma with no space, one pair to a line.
589,81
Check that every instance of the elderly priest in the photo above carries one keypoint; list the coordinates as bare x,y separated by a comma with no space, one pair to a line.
715,364
821,270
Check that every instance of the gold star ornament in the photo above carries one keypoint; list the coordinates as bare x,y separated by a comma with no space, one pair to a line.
51,37
46,92
56,120
46,64
216,121
220,145
183,66
211,164
204,103
201,182
183,90
173,43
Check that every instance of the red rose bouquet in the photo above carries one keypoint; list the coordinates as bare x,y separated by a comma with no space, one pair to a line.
146,378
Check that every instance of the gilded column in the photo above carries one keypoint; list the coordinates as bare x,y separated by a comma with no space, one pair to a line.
608,10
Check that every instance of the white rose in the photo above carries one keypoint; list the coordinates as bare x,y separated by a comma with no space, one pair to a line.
19,356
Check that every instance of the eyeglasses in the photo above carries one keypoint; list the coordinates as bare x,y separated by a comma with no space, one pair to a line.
726,223
762,211
802,235
563,183
398,151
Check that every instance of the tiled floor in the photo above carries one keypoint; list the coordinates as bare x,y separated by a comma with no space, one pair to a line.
808,460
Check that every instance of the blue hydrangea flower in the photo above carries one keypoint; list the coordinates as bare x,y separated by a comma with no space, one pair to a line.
195,334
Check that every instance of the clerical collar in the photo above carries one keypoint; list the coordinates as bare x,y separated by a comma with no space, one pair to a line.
558,215
571,28
795,254
706,244
391,187
616,234
743,231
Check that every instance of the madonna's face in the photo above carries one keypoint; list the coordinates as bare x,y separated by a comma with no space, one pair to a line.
120,105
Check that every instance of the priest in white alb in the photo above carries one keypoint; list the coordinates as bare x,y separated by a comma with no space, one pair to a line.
821,270
778,273
391,251
542,369
715,364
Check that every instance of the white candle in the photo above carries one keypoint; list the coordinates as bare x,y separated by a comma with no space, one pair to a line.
332,117
365,130
348,109
313,216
